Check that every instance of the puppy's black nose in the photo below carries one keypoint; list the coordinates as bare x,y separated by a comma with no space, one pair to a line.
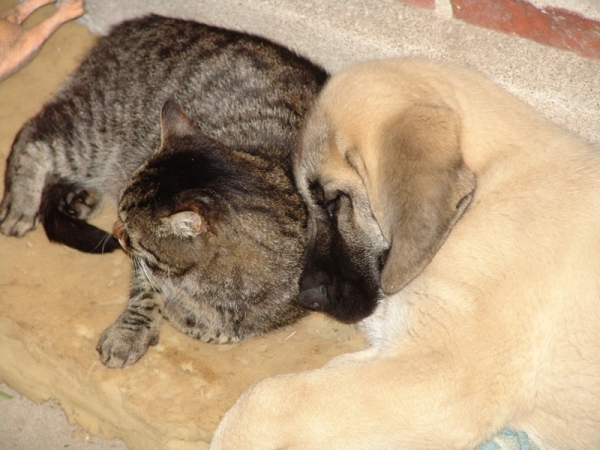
313,289
314,298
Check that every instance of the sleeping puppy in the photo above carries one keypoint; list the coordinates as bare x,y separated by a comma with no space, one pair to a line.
462,230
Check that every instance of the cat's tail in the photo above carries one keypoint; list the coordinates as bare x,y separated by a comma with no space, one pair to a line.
64,228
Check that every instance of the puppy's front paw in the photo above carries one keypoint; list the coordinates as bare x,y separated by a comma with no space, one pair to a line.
16,219
122,345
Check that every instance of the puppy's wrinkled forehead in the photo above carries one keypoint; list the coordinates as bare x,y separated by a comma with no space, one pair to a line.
309,155
324,157
348,120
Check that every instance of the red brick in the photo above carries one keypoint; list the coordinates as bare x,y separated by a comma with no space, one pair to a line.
425,4
552,26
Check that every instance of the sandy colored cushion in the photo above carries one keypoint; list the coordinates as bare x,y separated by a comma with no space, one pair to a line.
55,302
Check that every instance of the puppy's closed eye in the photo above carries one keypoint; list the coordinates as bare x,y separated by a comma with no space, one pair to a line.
328,203
331,206
317,193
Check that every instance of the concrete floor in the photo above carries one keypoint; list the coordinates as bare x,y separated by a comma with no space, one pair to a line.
25,425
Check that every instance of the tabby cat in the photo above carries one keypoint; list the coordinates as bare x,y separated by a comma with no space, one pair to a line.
190,129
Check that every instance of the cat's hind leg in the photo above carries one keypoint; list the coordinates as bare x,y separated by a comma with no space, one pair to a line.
32,181
29,166
137,328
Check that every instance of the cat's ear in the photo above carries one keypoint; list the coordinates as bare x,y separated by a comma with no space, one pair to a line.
186,224
174,122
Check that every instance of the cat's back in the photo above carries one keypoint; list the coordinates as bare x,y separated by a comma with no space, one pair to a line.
240,89
246,93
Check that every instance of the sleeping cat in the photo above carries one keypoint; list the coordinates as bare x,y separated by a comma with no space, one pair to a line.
190,128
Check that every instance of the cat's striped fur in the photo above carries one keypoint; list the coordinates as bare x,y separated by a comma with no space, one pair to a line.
230,269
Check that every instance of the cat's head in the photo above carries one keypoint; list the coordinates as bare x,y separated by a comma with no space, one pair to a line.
196,202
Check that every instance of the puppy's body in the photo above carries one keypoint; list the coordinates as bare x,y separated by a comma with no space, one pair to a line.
488,313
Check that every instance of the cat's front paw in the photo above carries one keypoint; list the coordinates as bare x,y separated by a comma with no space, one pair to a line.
120,346
16,220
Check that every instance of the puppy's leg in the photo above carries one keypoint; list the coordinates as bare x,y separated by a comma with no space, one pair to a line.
417,403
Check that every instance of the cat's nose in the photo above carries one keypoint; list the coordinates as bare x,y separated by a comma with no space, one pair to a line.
119,233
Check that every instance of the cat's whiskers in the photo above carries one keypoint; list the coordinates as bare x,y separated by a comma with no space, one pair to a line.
104,241
151,280
169,275
125,177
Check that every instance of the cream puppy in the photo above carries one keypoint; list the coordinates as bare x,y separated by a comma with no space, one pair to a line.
462,230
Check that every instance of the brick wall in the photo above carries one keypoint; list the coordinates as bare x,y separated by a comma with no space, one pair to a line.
572,25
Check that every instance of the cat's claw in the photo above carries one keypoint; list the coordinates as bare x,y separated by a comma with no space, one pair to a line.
120,347
82,204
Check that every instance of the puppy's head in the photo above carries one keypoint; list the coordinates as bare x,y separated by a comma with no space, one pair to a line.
380,168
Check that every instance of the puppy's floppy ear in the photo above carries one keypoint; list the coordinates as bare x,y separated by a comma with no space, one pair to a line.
425,188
